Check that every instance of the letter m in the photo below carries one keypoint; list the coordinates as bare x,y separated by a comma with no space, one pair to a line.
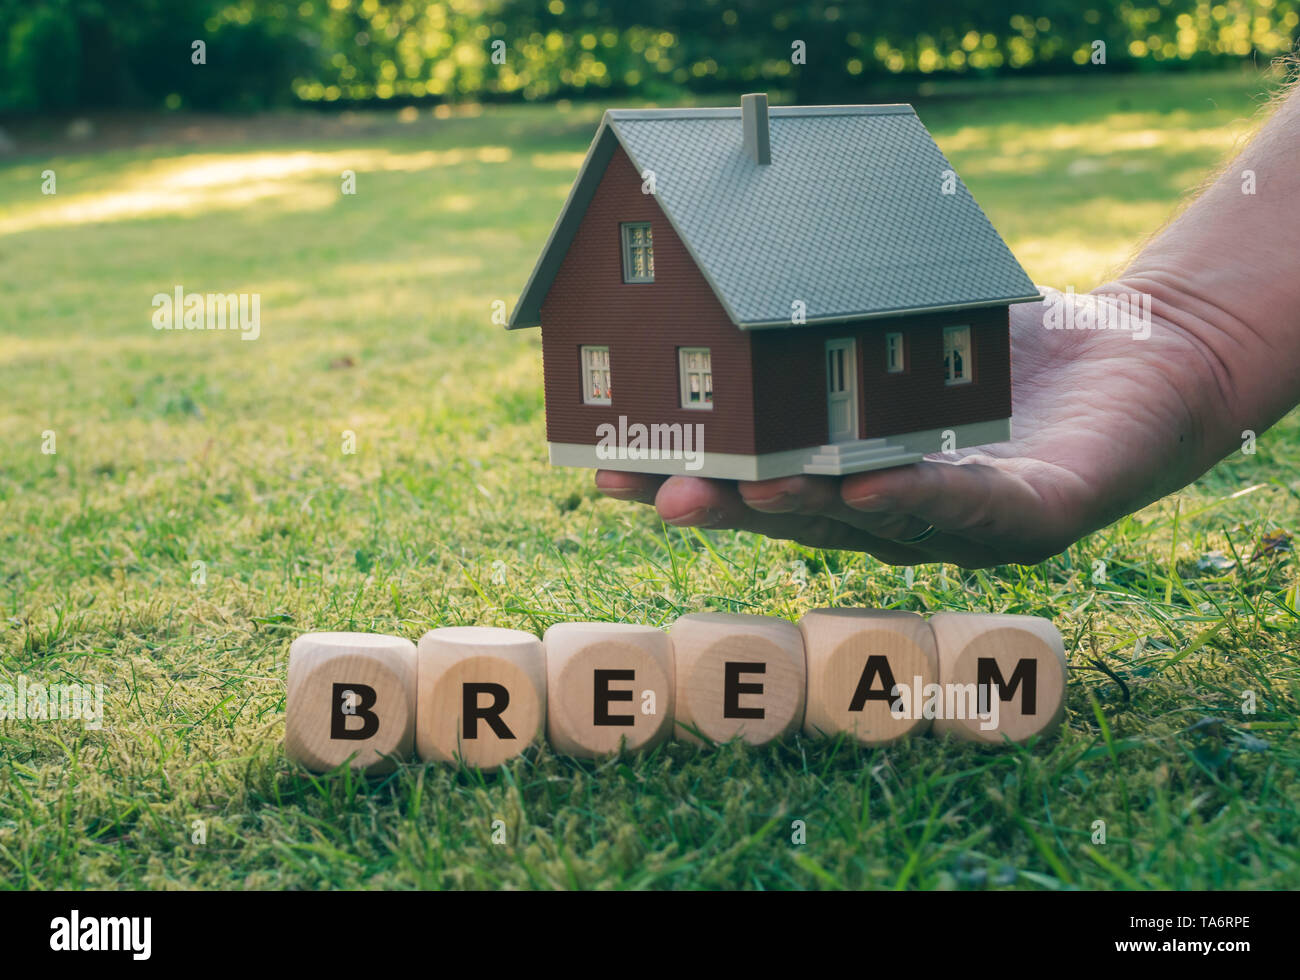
1026,672
115,934
221,308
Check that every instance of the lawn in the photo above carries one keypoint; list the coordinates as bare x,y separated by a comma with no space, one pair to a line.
199,511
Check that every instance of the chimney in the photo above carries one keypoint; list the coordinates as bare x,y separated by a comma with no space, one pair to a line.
753,117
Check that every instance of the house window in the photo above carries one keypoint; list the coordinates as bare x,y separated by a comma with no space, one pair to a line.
638,253
595,375
697,377
893,352
956,355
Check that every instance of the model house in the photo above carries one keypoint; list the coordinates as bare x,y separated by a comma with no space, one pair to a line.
780,291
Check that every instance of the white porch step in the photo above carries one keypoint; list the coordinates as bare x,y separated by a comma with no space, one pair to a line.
854,457
859,466
853,453
842,447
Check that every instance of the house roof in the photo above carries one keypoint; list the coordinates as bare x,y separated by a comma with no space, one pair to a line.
849,217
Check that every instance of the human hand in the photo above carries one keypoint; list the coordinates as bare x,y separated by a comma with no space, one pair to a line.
1103,423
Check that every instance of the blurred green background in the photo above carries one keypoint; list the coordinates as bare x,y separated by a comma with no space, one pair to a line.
64,54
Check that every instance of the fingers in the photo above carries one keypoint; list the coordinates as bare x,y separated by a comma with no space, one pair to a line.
985,511
638,487
953,496
820,495
693,502
791,494
989,502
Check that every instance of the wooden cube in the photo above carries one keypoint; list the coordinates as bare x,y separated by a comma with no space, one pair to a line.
1021,657
863,665
482,694
351,699
606,683
737,675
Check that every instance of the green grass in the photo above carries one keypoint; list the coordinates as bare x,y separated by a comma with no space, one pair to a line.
176,448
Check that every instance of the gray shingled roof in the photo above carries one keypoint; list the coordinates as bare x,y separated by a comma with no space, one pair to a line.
849,216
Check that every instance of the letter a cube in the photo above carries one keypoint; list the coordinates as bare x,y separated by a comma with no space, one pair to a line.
737,675
607,682
482,694
351,699
1021,658
864,670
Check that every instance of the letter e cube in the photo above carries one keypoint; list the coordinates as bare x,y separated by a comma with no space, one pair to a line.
606,682
737,675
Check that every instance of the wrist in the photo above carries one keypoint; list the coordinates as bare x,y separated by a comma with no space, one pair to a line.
1214,361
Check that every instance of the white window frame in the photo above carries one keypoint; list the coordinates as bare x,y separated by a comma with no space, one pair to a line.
592,366
626,231
894,358
950,377
703,373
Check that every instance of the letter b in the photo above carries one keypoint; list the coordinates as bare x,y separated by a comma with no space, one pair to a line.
354,700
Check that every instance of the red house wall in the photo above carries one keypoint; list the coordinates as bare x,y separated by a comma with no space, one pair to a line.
917,398
790,378
643,324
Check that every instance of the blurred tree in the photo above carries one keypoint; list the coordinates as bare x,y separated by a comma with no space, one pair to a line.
87,53
61,53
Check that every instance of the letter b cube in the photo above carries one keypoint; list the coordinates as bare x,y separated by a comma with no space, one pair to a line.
351,695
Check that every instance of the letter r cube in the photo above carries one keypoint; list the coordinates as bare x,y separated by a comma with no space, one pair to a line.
482,694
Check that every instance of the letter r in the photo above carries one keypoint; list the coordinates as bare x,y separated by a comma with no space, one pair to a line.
472,712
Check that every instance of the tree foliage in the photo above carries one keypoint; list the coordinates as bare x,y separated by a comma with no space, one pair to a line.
64,53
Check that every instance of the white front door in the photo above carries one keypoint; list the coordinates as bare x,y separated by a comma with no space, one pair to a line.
842,390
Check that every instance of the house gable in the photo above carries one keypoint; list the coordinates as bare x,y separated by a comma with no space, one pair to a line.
643,325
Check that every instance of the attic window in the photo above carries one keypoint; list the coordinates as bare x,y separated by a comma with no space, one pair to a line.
956,355
696,368
638,253
595,375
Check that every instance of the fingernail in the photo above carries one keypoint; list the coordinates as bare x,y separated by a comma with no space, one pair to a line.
779,503
872,501
636,496
700,517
